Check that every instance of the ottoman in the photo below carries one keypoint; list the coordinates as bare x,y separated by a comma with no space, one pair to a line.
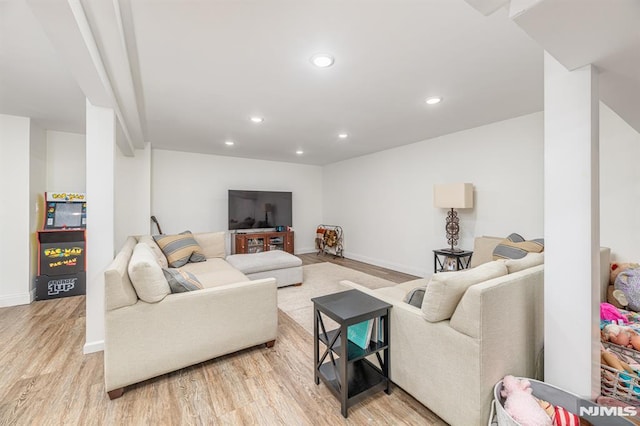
284,267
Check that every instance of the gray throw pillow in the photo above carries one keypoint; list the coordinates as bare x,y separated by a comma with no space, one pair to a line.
415,296
516,247
181,281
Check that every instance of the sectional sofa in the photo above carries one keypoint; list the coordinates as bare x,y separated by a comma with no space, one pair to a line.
150,331
472,328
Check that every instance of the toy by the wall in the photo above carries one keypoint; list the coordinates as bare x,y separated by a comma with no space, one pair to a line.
610,313
521,405
628,281
621,335
617,267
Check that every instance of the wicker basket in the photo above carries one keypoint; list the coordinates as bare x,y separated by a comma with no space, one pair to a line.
555,396
617,384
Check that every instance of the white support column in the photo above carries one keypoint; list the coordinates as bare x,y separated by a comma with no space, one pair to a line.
101,139
14,222
572,228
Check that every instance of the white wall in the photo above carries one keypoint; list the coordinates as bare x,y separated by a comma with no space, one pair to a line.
37,188
132,195
66,162
189,191
619,187
384,201
14,221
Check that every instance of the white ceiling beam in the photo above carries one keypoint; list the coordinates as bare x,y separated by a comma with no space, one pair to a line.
604,27
105,19
68,30
487,7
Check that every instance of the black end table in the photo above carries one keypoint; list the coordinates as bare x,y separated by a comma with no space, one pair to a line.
461,259
347,374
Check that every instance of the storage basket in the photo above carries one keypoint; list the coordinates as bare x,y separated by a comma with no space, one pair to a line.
617,384
555,396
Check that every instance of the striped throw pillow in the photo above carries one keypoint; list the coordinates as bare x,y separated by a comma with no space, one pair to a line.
516,247
181,281
180,249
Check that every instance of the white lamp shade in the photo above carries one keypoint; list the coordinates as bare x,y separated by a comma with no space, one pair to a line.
453,196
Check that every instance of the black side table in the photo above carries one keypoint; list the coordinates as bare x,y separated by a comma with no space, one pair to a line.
460,260
347,374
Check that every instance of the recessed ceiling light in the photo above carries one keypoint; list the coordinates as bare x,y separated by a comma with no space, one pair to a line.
434,100
322,60
257,119
229,143
299,152
343,135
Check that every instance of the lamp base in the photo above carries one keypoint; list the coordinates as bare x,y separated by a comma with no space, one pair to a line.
453,228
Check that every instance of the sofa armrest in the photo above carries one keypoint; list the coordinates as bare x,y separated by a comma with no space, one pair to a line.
149,339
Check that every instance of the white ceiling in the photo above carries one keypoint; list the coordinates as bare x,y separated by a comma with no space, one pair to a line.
188,75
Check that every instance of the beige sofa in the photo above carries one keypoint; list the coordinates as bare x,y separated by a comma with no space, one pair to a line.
449,353
150,331
473,328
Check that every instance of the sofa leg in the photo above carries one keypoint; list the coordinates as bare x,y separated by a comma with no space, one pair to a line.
270,343
116,393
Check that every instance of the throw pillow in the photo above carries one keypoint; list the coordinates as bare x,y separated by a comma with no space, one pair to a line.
516,247
415,296
181,281
180,249
445,289
529,261
162,259
146,275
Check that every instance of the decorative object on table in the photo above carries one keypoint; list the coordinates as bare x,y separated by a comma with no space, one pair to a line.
446,260
453,196
330,240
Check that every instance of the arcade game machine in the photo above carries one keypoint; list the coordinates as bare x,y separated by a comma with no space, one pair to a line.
61,246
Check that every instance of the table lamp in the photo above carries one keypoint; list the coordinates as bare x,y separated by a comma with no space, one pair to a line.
453,196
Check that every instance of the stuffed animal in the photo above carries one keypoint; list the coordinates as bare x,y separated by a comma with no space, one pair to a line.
520,403
617,267
628,282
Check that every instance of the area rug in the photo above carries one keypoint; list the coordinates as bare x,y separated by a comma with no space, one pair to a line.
320,279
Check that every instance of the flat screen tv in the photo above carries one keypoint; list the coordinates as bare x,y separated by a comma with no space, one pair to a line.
259,209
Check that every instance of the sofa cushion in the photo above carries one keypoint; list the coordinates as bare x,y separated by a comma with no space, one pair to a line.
516,247
146,275
265,261
212,244
483,250
415,296
529,261
181,281
215,272
180,249
162,259
445,289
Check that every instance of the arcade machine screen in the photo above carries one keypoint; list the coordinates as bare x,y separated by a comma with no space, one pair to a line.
68,215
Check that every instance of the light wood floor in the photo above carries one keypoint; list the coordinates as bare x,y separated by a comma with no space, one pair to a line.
46,380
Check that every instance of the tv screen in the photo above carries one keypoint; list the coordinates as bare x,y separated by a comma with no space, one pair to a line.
68,215
259,209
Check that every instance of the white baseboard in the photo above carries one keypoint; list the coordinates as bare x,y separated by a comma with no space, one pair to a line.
15,299
91,347
305,250
389,265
